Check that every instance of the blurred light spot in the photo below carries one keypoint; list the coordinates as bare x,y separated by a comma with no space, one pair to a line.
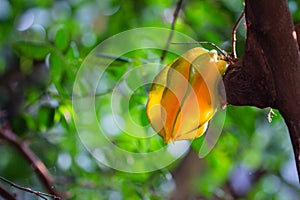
112,10
52,89
42,17
52,102
289,172
240,180
294,33
61,10
114,195
66,113
271,184
39,32
287,193
47,61
75,49
25,21
167,186
124,88
110,124
102,86
108,7
84,162
104,108
86,14
5,9
33,16
101,158
168,15
169,176
64,161
99,155
150,132
75,2
293,6
89,39
130,160
178,148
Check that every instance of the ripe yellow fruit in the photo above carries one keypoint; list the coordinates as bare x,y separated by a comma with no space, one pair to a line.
183,97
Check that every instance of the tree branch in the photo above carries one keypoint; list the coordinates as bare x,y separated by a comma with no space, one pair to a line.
37,193
183,175
175,16
268,74
37,165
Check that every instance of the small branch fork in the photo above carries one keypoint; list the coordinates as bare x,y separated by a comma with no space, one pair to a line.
233,36
37,193
230,58
226,56
37,165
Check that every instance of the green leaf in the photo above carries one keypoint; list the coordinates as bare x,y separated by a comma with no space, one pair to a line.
35,50
30,122
62,38
57,69
45,117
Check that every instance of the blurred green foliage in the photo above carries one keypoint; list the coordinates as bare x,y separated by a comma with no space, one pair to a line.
44,42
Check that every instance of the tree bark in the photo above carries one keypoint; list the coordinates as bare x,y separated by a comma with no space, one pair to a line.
269,73
184,175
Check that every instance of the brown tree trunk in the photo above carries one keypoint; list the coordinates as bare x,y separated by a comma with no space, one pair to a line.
269,73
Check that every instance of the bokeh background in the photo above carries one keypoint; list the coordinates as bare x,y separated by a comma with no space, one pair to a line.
43,44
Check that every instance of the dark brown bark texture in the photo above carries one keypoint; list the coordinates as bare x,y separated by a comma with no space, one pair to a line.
269,73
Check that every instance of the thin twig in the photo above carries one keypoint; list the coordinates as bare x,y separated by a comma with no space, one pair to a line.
233,36
175,16
5,193
113,57
37,165
120,58
37,193
224,53
227,57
